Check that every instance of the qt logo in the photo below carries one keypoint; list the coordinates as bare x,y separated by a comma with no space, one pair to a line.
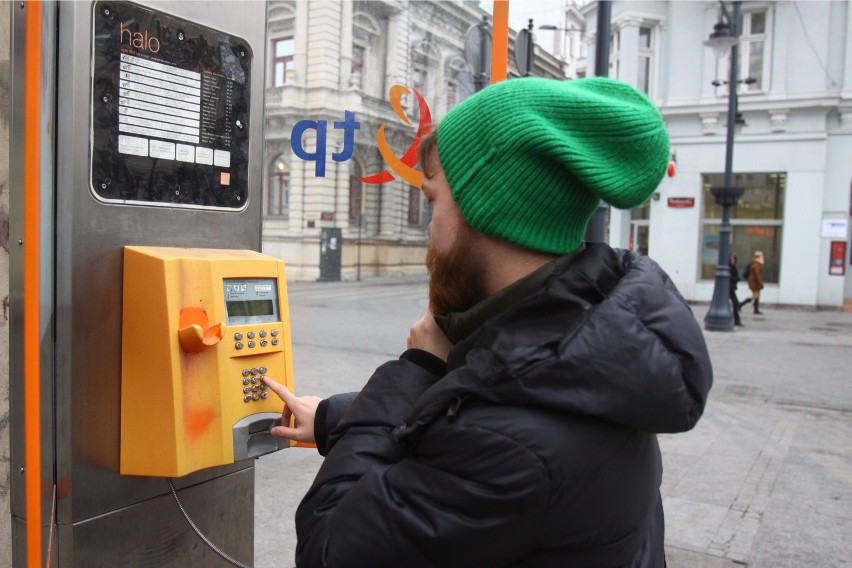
403,167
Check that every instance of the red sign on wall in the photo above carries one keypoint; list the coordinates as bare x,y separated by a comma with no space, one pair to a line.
837,258
681,202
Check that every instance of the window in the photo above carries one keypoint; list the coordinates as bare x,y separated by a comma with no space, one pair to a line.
366,49
359,54
645,50
756,222
643,80
282,61
414,196
614,46
419,79
278,198
753,56
356,193
452,95
752,44
640,228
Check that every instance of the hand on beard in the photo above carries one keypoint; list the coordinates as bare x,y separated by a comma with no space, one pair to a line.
426,335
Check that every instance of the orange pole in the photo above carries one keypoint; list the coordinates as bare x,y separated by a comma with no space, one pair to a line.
500,42
32,328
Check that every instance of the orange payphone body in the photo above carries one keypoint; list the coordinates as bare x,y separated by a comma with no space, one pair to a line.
200,328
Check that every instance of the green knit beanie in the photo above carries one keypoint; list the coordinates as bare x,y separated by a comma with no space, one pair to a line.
528,160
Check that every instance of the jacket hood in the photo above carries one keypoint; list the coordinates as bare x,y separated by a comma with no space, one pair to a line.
611,337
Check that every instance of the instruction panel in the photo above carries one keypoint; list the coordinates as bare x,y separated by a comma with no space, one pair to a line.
170,110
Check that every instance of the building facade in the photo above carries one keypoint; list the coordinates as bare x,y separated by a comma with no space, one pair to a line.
792,156
329,59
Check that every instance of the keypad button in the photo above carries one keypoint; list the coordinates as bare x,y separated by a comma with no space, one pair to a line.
255,388
263,333
255,396
251,344
246,398
250,335
238,336
246,381
246,372
254,380
254,371
263,343
263,387
239,345
262,370
246,390
274,342
274,333
264,394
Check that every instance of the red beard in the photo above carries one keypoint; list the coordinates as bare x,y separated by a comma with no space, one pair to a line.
456,277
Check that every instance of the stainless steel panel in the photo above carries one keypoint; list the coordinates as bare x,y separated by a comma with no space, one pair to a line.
154,534
90,236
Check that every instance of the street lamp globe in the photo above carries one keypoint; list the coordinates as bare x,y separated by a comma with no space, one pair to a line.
722,39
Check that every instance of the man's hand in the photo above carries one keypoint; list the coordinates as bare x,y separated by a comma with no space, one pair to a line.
426,335
303,408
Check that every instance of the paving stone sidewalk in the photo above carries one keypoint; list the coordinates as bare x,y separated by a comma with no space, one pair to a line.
764,480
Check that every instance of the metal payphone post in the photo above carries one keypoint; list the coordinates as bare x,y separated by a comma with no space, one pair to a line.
158,142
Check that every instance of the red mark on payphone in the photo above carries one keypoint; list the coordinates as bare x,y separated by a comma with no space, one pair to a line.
198,420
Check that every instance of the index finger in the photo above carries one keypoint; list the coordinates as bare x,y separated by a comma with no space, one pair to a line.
279,389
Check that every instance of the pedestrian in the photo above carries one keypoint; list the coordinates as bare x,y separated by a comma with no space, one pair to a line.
519,428
734,277
754,276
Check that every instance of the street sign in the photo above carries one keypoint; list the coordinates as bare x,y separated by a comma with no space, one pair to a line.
524,52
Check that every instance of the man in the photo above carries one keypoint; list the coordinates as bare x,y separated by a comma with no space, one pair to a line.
518,428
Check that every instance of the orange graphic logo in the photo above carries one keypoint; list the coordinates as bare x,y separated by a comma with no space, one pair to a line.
403,167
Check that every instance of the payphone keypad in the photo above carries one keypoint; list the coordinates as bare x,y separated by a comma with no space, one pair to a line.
253,387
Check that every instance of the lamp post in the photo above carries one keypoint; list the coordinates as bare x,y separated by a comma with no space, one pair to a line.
725,37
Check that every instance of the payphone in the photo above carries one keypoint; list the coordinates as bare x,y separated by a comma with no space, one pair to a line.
201,328
150,116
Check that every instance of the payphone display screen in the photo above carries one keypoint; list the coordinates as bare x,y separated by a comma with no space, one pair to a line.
170,110
251,300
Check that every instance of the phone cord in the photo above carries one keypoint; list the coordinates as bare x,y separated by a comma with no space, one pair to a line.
204,539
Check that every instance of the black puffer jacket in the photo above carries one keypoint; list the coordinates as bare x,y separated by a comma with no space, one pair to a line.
536,448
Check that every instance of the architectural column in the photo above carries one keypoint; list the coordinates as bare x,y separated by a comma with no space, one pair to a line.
300,56
347,11
396,57
778,50
846,91
324,44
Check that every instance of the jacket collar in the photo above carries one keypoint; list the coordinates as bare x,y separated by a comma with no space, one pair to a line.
459,325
